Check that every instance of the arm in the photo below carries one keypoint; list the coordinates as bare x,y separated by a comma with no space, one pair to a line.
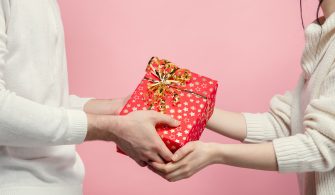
105,106
314,149
257,127
27,123
311,151
229,124
195,156
134,133
98,106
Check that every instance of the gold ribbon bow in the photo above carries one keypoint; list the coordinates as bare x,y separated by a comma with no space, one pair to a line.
168,79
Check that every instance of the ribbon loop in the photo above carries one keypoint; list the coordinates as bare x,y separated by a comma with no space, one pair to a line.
168,79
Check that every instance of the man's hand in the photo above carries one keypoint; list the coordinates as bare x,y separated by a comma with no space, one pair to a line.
134,133
105,107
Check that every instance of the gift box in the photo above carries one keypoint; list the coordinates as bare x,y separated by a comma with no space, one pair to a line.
179,93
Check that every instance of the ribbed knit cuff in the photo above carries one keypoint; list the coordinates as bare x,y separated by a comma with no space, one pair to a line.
296,154
51,189
327,181
78,126
258,129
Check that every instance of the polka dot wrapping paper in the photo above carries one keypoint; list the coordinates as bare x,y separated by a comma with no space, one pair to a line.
179,93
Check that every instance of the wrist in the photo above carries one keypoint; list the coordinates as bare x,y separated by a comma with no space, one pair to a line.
115,126
91,127
101,127
216,155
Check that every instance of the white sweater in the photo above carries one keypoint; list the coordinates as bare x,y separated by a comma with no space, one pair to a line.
39,121
301,123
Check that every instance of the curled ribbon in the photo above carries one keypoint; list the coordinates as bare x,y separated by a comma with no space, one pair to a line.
168,79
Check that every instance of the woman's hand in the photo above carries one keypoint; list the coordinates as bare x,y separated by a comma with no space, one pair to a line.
105,107
187,161
195,156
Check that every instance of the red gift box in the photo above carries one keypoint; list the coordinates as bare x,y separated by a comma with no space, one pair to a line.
184,95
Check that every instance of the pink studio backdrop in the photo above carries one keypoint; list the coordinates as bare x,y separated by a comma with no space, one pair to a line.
252,48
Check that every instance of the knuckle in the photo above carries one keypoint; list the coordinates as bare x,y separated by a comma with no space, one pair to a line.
156,147
152,148
187,174
170,180
164,170
187,169
141,163
147,154
144,159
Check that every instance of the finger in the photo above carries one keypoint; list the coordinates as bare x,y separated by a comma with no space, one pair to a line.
131,155
165,168
141,163
176,177
153,157
165,119
182,173
183,151
165,153
125,100
159,166
156,171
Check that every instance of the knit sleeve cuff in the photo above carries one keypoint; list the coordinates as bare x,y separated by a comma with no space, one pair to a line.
296,154
78,102
78,126
257,128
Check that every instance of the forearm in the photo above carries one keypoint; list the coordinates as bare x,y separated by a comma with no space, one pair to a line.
27,123
93,105
104,106
229,124
253,156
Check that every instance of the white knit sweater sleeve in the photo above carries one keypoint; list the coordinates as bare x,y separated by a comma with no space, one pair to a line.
314,150
267,126
27,123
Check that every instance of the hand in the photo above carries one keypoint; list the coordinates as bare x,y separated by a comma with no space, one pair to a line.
194,156
135,134
187,161
103,107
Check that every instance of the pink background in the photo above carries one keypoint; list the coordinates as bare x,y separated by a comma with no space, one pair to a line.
252,49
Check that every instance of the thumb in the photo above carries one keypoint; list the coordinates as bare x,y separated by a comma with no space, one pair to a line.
165,119
183,151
